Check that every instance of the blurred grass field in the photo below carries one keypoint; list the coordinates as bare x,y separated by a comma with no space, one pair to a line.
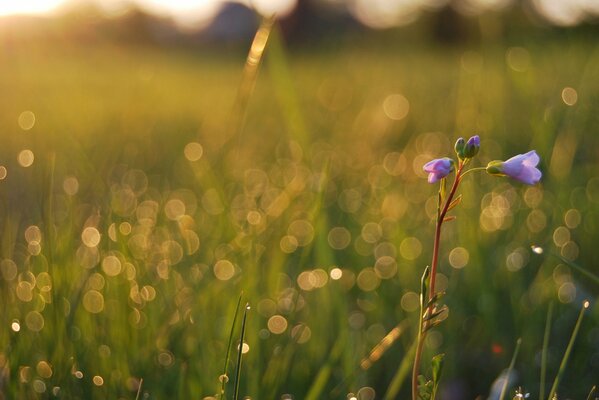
135,208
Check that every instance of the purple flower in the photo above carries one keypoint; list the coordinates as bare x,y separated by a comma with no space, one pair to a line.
438,168
522,167
472,146
467,149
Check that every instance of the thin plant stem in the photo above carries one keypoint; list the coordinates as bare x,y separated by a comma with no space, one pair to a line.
224,378
240,351
544,351
474,169
562,367
509,370
141,382
442,212
590,396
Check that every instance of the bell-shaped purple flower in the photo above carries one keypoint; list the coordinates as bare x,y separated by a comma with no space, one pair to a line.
438,168
522,167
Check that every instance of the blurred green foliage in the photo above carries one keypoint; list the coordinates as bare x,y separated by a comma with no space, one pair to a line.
315,206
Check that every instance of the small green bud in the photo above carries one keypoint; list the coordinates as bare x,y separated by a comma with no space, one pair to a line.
495,168
460,144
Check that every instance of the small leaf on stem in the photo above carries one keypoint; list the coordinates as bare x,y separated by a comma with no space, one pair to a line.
455,203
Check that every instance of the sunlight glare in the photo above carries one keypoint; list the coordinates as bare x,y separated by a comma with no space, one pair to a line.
29,6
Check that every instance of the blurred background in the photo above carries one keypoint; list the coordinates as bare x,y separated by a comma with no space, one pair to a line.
160,158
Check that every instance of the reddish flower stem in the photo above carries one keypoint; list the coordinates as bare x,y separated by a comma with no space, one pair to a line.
432,278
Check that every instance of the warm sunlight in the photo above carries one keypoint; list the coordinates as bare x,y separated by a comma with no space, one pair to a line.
28,6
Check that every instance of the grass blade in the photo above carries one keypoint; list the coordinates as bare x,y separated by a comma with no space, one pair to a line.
578,268
401,374
240,351
544,351
509,370
141,382
562,367
590,396
250,74
322,378
224,377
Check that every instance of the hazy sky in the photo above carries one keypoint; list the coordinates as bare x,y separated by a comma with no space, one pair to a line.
376,13
183,10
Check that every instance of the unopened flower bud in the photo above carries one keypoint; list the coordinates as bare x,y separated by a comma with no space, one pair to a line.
472,146
459,147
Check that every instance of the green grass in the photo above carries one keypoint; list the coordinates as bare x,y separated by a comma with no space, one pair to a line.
316,152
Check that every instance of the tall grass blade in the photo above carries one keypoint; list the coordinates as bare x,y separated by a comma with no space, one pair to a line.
544,351
401,374
578,268
562,367
285,89
590,396
250,74
224,377
240,351
141,382
510,369
315,391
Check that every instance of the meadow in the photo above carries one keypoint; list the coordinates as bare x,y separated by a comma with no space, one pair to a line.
141,195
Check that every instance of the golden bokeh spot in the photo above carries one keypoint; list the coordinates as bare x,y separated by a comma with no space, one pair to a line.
98,380
302,230
336,273
458,257
43,281
396,106
166,358
3,172
70,185
410,248
174,209
277,324
24,291
34,248
572,218
339,238
34,321
8,269
111,265
224,270
26,120
569,96
371,232
288,244
93,301
385,267
518,58
125,228
410,301
561,236
301,333
39,386
90,236
245,348
25,158
368,280
33,233
192,241
147,293
44,369
193,151
254,217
